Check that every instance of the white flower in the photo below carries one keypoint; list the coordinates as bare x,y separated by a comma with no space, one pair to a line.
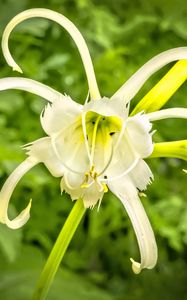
94,146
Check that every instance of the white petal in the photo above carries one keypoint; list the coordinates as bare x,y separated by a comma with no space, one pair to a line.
65,23
73,185
103,144
124,159
141,175
102,154
30,86
69,146
60,114
130,88
168,113
42,151
127,193
135,143
92,195
108,107
75,193
138,130
74,180
7,191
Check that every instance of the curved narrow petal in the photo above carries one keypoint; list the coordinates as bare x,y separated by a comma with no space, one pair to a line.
42,151
60,114
177,149
31,86
132,85
159,95
71,29
127,193
7,191
168,113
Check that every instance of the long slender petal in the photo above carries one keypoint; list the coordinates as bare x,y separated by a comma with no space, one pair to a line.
159,95
29,85
132,85
7,191
65,23
125,190
168,113
177,149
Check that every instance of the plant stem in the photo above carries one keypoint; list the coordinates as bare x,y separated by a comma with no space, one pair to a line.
58,251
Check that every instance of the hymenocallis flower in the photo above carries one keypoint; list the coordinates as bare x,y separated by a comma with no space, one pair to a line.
92,147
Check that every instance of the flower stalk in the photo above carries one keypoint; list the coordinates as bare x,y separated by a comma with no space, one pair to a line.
58,250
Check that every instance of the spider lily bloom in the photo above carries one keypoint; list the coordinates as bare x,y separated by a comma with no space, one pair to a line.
94,146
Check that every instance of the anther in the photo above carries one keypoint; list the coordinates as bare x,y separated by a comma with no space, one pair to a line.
111,133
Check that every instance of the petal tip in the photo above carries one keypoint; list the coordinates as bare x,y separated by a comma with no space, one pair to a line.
136,267
17,69
29,205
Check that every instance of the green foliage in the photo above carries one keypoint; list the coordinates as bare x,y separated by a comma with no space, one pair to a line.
121,35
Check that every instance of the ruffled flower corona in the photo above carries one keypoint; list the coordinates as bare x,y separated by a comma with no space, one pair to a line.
92,147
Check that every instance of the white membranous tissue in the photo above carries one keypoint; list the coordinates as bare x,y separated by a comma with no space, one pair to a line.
95,147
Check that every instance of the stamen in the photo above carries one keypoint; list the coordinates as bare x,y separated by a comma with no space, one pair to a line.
85,183
120,136
60,159
123,173
94,138
99,204
87,98
105,188
85,135
108,163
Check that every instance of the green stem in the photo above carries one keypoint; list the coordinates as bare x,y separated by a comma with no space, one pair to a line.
58,251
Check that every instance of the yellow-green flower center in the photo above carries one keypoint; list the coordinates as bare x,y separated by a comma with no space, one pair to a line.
100,132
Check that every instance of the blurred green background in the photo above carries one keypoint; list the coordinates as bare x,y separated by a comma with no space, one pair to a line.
121,36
